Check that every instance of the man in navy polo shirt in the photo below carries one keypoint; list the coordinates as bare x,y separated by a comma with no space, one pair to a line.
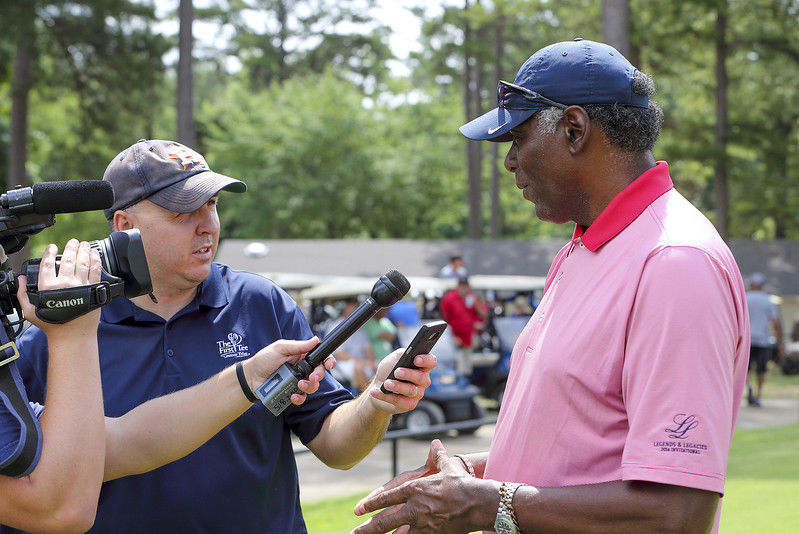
206,317
52,482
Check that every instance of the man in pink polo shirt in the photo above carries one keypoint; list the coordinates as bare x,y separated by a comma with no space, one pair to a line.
624,386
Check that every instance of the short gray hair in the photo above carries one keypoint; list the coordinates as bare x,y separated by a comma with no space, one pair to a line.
548,119
630,128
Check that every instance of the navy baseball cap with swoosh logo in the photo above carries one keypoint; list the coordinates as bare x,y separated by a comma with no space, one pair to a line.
578,72
166,173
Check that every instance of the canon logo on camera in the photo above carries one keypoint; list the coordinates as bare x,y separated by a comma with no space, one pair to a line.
66,303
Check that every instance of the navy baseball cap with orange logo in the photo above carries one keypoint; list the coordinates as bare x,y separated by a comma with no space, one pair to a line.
166,173
578,72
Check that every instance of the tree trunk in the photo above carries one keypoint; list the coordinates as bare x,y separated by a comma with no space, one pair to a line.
282,18
720,134
186,130
473,148
496,206
783,214
21,83
20,88
616,25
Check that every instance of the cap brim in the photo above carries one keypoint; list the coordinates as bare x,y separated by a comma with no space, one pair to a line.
190,194
495,125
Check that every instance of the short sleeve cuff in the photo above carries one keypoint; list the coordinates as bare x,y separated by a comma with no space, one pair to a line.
674,477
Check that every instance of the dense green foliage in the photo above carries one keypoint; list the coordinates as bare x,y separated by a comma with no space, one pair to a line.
319,164
300,102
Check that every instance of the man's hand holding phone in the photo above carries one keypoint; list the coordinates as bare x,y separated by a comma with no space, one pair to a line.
403,375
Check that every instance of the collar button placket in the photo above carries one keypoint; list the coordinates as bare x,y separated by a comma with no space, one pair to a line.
168,352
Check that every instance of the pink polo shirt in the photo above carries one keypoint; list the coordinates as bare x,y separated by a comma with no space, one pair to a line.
633,365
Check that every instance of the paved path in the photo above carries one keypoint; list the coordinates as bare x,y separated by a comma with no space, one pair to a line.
319,482
774,412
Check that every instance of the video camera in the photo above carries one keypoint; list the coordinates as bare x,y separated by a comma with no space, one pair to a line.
29,210
25,211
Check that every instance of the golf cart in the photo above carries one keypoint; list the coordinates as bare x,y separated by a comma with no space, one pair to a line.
450,397
491,358
492,380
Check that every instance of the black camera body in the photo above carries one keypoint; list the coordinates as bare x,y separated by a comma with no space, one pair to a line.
125,274
27,211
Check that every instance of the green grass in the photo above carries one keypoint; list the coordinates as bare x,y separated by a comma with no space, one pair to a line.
762,491
332,516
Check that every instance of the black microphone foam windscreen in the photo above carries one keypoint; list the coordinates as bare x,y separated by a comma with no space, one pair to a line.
71,196
399,280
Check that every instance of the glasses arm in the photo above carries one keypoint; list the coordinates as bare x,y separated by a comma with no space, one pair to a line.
527,94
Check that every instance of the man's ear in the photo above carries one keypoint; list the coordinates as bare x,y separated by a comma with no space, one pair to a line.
578,128
124,220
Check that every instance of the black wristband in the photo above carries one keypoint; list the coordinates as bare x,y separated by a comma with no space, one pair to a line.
245,387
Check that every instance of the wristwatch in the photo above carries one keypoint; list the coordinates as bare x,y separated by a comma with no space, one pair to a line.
506,522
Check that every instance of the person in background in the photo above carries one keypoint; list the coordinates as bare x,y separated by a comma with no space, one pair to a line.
455,268
466,315
382,334
521,307
764,316
404,313
355,360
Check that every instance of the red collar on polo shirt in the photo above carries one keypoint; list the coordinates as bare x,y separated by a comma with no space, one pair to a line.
626,207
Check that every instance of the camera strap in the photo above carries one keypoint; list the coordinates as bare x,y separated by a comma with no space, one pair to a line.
17,459
58,306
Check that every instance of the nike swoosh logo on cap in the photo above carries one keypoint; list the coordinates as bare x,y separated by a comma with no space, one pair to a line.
492,130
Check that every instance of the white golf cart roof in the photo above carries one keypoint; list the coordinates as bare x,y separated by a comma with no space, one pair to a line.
334,287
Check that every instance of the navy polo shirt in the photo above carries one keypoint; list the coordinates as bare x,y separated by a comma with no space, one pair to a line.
244,479
12,430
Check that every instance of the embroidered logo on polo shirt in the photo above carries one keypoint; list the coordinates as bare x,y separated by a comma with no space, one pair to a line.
233,347
681,425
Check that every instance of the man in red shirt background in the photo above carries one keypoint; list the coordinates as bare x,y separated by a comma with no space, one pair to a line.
466,314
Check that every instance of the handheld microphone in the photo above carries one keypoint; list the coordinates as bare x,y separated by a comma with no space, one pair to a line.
45,198
276,392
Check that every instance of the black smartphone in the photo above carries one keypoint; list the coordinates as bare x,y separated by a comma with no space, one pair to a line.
422,343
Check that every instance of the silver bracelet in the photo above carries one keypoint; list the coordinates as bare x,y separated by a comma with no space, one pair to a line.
506,522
